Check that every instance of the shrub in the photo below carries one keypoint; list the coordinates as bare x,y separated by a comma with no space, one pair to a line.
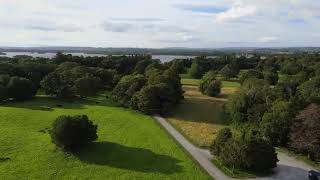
209,85
249,152
222,137
69,132
305,132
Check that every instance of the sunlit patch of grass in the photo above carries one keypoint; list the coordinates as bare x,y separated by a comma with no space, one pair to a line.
130,145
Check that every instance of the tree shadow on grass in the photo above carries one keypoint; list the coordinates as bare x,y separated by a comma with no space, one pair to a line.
200,110
43,103
47,103
136,159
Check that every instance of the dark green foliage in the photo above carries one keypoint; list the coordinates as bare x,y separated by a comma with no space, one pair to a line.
288,86
69,132
250,103
222,137
3,93
109,78
87,86
196,71
209,85
290,68
229,71
305,132
59,85
271,77
153,99
249,151
161,92
310,89
251,74
276,123
21,88
127,87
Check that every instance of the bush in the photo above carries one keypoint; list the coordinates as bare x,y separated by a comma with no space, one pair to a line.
209,85
69,132
222,137
248,152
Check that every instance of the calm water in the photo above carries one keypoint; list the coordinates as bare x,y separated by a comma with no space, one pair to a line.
163,58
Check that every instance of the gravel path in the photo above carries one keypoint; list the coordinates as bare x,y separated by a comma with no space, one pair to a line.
288,167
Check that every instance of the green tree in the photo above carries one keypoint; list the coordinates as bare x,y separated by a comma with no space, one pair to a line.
196,70
127,87
21,88
209,85
310,89
271,77
276,123
87,86
251,74
70,132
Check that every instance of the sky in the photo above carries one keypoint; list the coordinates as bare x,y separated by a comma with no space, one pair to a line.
160,23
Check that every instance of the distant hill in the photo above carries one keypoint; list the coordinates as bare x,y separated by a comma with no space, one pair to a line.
163,51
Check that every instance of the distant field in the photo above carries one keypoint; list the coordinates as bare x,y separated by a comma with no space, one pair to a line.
130,145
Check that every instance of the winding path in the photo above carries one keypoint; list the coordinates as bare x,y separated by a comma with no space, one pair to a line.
288,167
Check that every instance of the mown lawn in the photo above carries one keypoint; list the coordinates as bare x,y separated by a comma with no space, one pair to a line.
130,145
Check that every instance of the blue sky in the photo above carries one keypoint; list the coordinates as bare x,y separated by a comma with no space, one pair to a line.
162,23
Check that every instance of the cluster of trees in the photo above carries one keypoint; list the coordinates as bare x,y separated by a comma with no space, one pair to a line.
136,81
279,98
284,111
156,90
209,85
248,151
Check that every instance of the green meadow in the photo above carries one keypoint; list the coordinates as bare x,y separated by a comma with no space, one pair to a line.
130,145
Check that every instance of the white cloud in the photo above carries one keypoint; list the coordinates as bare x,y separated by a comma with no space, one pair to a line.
236,12
268,39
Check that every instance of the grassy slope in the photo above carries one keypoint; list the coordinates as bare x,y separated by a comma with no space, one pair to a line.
130,145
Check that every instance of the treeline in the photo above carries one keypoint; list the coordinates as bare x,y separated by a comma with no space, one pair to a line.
278,102
135,81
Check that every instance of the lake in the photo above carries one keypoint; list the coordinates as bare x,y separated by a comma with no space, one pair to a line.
163,58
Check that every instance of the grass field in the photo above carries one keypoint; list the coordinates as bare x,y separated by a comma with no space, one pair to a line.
130,145
200,117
